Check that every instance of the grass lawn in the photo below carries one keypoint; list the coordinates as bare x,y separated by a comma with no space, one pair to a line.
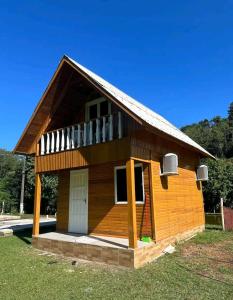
201,268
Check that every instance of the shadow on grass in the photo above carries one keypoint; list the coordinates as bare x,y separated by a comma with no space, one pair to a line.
213,227
26,234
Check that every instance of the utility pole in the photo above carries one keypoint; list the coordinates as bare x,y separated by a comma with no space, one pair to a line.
21,207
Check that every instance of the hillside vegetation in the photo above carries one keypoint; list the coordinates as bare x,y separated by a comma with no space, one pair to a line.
216,136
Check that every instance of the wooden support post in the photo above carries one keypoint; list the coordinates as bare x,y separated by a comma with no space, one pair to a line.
37,200
131,197
152,197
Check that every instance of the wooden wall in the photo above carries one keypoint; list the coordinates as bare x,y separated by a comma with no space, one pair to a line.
94,154
178,199
63,201
104,216
178,202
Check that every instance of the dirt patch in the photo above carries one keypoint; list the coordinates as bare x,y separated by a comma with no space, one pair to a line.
213,261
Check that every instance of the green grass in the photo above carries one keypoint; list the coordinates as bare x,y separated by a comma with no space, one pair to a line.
192,272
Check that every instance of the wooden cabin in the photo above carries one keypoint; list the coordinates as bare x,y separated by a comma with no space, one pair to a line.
108,151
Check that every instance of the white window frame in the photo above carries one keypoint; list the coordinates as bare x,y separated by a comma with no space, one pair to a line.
115,184
93,102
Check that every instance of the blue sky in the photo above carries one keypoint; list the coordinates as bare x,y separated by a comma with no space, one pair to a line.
174,56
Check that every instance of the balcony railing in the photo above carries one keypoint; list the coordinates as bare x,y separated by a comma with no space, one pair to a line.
83,134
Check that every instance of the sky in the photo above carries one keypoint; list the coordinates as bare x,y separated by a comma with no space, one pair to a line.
176,57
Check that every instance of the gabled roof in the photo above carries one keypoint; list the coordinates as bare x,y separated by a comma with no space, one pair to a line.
143,112
131,105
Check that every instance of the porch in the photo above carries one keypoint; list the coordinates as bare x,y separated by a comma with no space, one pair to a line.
115,219
101,249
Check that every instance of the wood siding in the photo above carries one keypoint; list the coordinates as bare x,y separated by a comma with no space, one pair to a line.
104,216
63,201
178,203
178,199
90,155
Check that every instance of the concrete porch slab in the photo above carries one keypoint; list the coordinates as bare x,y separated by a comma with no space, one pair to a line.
104,241
103,249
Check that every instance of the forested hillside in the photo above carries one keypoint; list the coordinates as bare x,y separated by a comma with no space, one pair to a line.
216,136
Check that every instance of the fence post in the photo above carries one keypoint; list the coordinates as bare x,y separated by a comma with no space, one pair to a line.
222,214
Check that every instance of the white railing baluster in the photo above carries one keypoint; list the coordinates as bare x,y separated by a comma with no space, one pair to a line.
68,138
90,133
84,134
52,142
42,148
47,143
97,131
72,137
62,140
79,136
110,128
119,125
57,141
87,133
104,130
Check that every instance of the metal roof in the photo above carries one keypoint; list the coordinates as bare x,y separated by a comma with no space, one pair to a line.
143,112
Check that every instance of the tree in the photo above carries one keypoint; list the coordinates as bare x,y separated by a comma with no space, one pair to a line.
219,185
10,184
230,115
216,136
10,178
49,189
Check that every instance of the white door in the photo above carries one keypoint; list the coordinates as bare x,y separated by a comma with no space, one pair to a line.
78,202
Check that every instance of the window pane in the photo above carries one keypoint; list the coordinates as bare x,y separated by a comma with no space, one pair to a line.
122,188
138,184
93,111
104,108
121,185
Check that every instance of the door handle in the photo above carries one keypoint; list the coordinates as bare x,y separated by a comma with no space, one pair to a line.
85,200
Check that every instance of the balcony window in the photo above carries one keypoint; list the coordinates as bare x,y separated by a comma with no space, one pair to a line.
97,108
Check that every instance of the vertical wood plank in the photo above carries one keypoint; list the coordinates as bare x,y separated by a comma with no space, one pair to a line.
90,132
37,201
48,143
104,130
119,125
72,137
152,195
79,136
52,142
110,128
97,131
42,145
57,141
68,138
131,197
84,134
62,140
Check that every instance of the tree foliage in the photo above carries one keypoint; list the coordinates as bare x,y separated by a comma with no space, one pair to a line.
216,136
10,184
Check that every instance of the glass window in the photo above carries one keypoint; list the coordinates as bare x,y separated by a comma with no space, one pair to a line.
103,108
97,108
93,112
121,188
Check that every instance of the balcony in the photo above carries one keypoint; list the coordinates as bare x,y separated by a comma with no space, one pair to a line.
95,131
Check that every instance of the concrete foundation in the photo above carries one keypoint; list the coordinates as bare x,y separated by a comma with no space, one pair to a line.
108,250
